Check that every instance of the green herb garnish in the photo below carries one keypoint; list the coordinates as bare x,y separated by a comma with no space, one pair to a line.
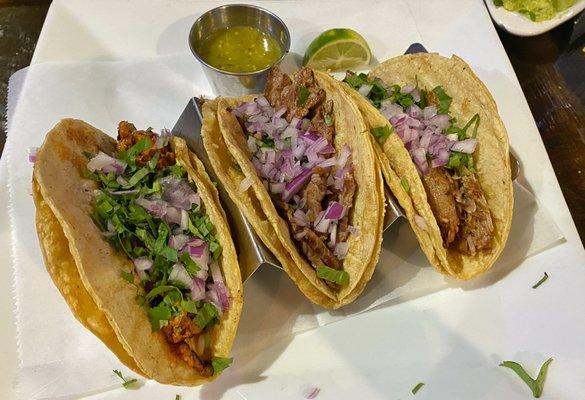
381,133
328,120
206,315
332,275
303,96
238,168
127,276
417,387
444,100
220,363
536,385
127,382
405,185
541,281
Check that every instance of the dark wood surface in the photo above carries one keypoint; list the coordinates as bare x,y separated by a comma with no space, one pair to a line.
550,68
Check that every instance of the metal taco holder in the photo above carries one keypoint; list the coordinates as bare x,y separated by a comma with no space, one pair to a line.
252,253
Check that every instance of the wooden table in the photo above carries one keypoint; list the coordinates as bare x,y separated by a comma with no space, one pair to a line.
550,67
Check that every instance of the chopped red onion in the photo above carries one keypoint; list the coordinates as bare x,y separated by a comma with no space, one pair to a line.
296,184
311,393
344,156
32,154
245,184
334,211
353,230
277,187
142,263
365,89
177,242
123,192
341,249
465,146
106,164
420,222
180,274
178,193
321,223
300,218
198,289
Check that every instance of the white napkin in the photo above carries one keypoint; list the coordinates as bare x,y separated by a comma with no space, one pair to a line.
59,358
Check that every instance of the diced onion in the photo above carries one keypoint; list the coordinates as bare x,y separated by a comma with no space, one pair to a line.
246,183
180,274
420,222
142,263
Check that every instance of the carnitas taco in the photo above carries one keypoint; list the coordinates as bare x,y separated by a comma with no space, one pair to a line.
134,238
443,150
298,162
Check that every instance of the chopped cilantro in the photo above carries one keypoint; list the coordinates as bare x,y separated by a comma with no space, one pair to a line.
137,177
127,276
417,387
303,96
190,265
129,156
159,316
189,306
127,382
206,315
444,100
498,3
178,397
541,281
328,120
238,168
332,275
215,249
405,185
220,363
356,80
536,385
381,133
177,170
266,142
88,155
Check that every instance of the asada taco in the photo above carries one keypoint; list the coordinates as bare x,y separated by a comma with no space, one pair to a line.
443,150
298,162
134,238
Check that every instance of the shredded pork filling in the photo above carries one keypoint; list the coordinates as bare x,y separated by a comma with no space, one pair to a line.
300,98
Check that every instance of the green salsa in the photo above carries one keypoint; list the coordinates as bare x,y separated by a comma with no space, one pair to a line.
240,49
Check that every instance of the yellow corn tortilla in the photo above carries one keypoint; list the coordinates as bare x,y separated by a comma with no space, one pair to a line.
226,145
101,296
470,96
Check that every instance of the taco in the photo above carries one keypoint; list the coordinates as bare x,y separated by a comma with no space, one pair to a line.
134,238
298,162
443,150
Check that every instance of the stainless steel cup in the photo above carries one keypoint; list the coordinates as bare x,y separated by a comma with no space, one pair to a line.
237,83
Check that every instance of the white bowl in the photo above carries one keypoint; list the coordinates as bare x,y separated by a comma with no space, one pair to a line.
521,25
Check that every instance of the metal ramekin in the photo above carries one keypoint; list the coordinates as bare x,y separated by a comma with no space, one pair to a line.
237,83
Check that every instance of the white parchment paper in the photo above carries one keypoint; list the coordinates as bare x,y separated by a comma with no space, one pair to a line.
58,357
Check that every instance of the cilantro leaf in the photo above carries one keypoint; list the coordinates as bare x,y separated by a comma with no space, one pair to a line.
332,275
127,276
405,185
159,316
215,249
444,100
328,119
355,80
206,315
536,385
417,387
189,306
541,281
129,156
238,168
137,177
381,133
220,363
303,96
498,3
190,265
127,382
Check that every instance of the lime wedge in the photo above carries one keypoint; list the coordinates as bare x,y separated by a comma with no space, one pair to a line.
338,50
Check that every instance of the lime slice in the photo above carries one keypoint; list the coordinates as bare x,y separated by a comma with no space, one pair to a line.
338,50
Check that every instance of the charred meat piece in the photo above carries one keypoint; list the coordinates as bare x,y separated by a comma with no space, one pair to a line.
346,200
299,96
128,136
324,114
477,227
276,81
180,328
314,192
193,360
440,190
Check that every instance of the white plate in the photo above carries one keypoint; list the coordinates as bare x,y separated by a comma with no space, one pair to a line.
520,25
